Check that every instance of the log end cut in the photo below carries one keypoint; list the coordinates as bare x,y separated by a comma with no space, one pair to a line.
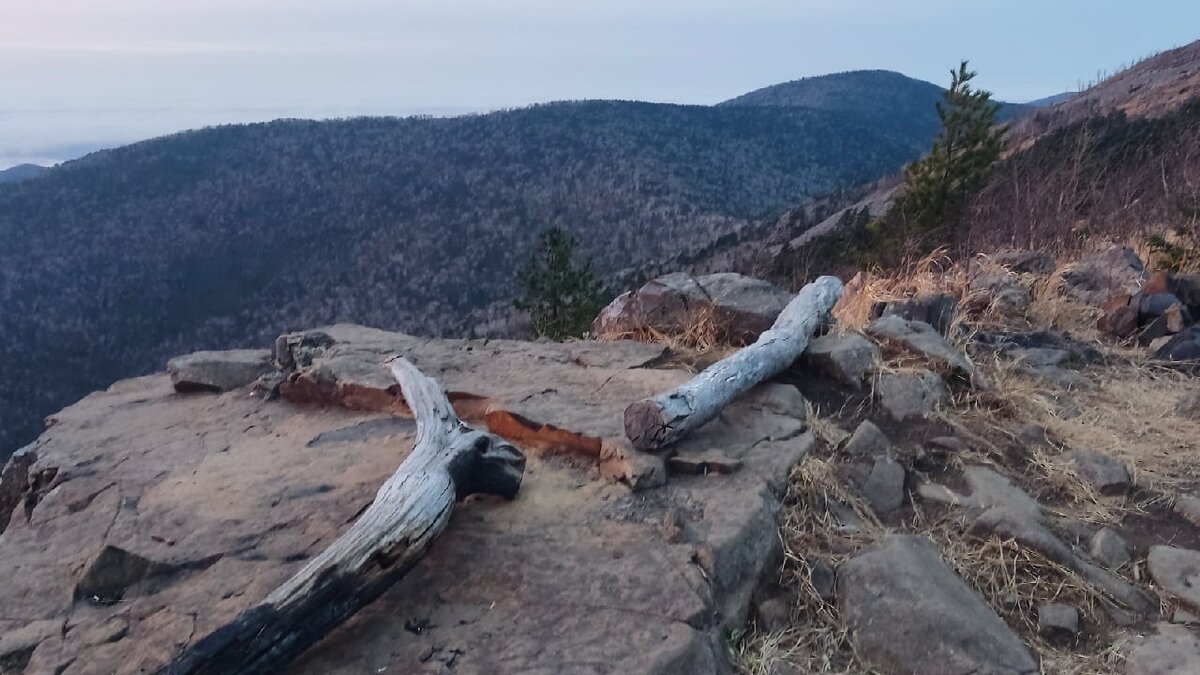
645,425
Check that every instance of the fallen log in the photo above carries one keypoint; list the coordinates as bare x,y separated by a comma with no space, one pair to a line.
657,422
449,461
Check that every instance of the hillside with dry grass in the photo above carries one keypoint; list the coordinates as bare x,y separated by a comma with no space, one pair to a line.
999,476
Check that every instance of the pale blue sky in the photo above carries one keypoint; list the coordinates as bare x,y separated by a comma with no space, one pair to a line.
77,74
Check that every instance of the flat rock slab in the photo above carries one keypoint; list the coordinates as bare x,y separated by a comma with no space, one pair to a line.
898,595
219,370
150,518
1172,650
1177,571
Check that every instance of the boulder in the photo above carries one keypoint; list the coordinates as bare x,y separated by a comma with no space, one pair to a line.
884,487
1057,622
1120,317
907,395
1172,650
219,371
999,291
739,307
1184,346
1176,571
1186,287
1109,549
868,441
1039,357
1024,262
935,309
920,338
908,612
1101,276
1188,508
772,614
1107,475
844,357
1153,305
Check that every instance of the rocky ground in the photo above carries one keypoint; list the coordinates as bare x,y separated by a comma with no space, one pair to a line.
971,472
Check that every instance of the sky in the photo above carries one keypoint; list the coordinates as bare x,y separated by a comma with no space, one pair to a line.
77,75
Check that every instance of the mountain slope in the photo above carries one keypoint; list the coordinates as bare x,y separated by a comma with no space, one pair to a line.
1120,160
888,99
21,172
227,236
1153,87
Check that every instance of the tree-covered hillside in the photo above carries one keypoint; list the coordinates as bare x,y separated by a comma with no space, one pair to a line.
887,99
227,236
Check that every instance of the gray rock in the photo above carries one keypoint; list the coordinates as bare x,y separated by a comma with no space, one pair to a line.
1102,276
999,291
935,309
947,443
1107,475
1176,571
884,488
1185,617
997,506
909,612
219,371
1039,357
1183,346
1109,549
848,520
1058,622
1173,650
868,441
1157,304
845,357
16,645
912,394
703,463
1024,262
921,338
741,306
1188,508
773,614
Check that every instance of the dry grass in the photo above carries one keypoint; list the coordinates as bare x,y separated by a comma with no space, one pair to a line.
1014,580
935,273
817,641
701,339
1124,409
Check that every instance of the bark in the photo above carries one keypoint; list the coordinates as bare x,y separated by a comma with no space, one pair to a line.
449,461
657,422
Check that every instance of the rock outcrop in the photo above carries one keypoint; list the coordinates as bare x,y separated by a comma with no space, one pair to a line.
734,307
146,518
1101,276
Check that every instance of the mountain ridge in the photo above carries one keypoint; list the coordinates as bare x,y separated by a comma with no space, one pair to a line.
228,235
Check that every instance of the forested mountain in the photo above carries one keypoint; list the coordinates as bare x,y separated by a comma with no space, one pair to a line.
21,172
888,99
227,236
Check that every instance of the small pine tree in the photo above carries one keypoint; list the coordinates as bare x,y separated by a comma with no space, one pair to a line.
938,186
560,297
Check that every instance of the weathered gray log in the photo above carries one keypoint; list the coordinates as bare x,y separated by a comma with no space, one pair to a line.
449,461
656,422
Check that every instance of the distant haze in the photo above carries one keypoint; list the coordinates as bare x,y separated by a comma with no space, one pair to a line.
76,75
